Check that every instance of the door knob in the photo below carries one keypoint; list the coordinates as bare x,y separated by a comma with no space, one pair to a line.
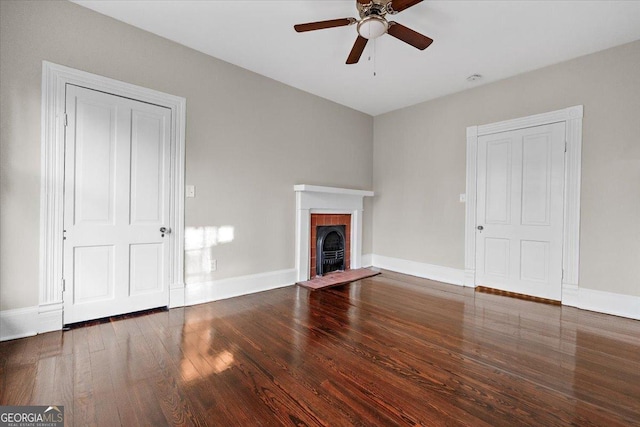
165,230
480,228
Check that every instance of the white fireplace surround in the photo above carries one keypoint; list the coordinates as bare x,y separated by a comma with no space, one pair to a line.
313,199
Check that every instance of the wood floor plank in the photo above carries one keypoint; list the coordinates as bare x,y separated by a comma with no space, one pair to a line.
384,396
536,367
288,378
393,367
176,405
43,387
387,350
114,362
18,383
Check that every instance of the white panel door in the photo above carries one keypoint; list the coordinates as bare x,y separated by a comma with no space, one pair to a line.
117,198
520,211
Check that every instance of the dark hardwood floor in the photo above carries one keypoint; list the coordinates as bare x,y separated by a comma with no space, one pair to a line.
388,350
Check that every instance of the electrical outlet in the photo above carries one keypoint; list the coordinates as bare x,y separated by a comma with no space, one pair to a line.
213,265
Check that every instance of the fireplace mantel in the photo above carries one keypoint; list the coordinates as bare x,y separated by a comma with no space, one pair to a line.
332,190
326,200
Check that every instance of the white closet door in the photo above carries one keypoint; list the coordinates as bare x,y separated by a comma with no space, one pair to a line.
520,211
116,260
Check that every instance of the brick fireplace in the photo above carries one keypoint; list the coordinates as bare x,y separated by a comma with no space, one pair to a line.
330,206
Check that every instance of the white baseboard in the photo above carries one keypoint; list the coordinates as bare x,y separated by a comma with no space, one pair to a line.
50,317
176,295
570,295
601,301
438,273
366,260
198,293
18,323
29,321
470,278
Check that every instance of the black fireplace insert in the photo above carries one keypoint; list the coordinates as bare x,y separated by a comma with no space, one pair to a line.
330,247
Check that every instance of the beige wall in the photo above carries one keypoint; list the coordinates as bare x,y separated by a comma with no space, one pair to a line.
419,164
249,139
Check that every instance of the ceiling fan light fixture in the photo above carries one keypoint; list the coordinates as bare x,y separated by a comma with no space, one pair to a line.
372,27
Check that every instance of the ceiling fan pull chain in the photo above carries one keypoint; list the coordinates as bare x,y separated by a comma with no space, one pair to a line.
374,57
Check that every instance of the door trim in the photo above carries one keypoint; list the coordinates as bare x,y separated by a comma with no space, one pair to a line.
54,80
572,116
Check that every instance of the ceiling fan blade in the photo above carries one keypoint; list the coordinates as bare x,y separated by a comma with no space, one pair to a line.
356,50
409,36
320,25
400,5
364,2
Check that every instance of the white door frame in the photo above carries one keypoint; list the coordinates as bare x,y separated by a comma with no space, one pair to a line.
54,80
572,116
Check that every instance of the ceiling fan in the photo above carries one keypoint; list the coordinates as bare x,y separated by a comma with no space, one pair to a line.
373,24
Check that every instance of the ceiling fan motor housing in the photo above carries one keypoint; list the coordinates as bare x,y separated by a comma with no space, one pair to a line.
372,23
375,7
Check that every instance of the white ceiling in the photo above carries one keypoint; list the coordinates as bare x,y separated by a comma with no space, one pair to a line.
496,39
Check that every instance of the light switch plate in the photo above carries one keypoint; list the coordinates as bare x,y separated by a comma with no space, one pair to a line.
190,191
463,198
